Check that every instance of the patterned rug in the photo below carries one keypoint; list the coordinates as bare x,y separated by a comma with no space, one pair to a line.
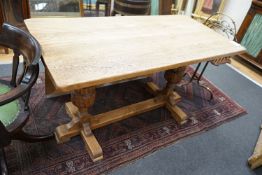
121,142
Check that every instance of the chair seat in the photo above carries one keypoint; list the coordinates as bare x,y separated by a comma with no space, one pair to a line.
10,111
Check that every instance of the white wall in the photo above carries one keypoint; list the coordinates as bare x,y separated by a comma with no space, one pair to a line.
237,10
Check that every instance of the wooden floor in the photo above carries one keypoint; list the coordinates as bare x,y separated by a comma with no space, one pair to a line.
240,65
248,70
5,58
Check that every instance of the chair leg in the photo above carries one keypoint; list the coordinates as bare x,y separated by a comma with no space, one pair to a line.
22,74
106,10
113,13
43,61
90,5
27,96
205,87
97,9
195,73
21,135
198,78
3,166
14,68
202,72
209,90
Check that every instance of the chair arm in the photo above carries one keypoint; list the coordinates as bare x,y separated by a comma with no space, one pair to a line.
26,84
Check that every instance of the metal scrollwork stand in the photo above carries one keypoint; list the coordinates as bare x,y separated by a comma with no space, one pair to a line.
224,25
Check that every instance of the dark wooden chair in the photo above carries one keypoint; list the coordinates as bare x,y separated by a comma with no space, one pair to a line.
103,2
14,12
224,25
131,7
11,126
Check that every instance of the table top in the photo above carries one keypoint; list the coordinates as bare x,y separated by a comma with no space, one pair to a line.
85,52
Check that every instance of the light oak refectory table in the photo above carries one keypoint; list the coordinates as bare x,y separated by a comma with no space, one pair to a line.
81,54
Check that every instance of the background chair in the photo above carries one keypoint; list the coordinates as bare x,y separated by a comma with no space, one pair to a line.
131,7
224,25
103,2
12,122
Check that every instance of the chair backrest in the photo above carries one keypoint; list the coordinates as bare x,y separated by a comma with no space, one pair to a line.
25,44
132,7
14,12
222,24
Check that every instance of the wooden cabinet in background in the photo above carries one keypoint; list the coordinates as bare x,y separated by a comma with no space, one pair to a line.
165,7
250,34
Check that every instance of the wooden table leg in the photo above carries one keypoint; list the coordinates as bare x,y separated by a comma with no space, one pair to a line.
82,123
173,77
77,109
93,148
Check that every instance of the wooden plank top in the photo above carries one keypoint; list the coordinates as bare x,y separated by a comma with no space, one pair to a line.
84,52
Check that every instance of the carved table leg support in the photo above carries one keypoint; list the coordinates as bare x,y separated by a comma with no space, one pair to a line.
82,123
63,133
173,77
77,109
93,148
170,97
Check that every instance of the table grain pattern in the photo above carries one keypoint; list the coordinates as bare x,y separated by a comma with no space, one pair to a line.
85,52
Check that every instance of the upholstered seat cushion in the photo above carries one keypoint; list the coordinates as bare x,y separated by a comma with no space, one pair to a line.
10,111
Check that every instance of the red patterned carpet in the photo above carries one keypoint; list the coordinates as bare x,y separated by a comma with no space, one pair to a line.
122,142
